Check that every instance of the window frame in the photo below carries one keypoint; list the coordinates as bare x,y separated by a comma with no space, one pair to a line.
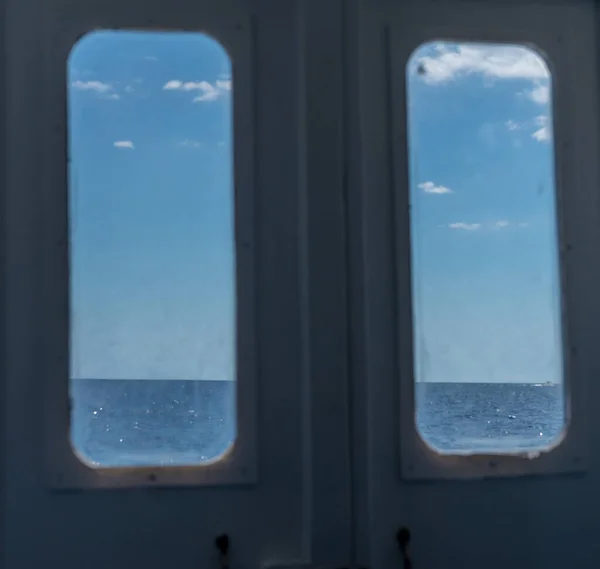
62,468
418,460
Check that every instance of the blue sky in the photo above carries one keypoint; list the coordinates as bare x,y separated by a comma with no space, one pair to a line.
151,186
483,209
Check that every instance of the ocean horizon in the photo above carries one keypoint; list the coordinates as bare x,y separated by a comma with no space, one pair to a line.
125,422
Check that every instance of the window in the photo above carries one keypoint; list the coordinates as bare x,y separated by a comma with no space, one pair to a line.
152,249
485,275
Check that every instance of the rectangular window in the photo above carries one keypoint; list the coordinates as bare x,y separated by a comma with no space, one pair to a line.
152,249
485,275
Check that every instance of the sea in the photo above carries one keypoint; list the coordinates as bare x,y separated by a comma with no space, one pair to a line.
117,423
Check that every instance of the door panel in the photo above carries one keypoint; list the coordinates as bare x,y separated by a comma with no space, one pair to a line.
500,518
295,506
332,336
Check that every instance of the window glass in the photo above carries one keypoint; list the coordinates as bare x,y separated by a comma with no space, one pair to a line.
152,249
486,287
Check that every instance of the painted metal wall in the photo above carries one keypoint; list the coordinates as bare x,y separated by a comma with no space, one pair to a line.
328,489
302,447
532,521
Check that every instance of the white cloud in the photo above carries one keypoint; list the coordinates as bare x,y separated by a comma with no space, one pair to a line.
465,226
129,89
196,86
124,144
539,94
173,84
211,94
493,62
151,58
208,91
431,188
224,84
187,143
96,86
103,90
500,224
544,133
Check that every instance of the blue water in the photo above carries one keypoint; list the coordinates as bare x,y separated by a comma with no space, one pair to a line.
489,416
125,422
128,422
